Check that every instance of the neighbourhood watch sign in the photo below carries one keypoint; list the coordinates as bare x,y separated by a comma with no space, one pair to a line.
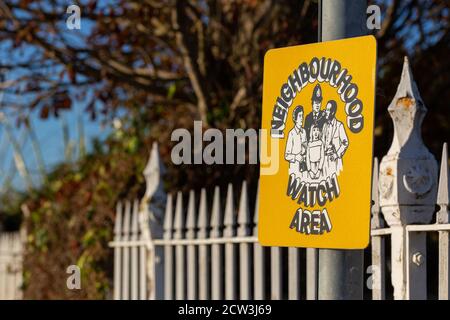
318,105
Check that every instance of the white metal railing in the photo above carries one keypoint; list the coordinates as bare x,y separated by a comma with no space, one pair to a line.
209,255
209,249
413,254
204,254
130,254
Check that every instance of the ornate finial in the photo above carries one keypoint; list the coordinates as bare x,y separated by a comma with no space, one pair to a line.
407,178
154,198
153,171
408,173
407,111
407,88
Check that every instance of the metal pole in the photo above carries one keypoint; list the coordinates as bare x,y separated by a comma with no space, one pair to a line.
341,271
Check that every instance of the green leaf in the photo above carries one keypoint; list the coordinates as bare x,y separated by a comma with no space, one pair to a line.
171,91
133,144
88,238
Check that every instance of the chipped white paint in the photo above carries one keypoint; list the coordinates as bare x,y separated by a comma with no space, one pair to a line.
407,184
408,173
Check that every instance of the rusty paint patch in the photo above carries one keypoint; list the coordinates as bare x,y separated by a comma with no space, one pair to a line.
389,171
406,102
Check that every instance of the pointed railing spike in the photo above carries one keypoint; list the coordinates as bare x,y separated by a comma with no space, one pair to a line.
202,222
229,217
244,212
443,196
118,222
190,220
126,220
168,218
216,216
443,189
153,172
179,219
134,221
407,88
256,213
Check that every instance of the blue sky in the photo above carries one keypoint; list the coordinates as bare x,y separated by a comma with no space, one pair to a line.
49,132
50,136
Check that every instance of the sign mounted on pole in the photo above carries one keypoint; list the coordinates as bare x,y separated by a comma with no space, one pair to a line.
318,109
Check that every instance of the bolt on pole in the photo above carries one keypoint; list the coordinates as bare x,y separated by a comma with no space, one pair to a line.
341,271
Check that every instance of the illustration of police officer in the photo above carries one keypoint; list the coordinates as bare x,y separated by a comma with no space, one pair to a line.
316,117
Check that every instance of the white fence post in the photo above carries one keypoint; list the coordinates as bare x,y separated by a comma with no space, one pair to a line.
168,251
230,248
191,224
311,273
118,253
259,283
276,283
443,199
203,256
217,270
134,252
244,248
294,274
408,175
151,218
378,269
180,264
126,253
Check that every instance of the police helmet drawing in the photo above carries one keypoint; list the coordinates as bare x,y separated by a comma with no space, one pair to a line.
316,117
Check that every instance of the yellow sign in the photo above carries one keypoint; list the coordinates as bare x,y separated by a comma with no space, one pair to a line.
318,109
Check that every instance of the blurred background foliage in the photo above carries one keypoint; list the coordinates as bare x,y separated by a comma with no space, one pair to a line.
70,219
148,67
